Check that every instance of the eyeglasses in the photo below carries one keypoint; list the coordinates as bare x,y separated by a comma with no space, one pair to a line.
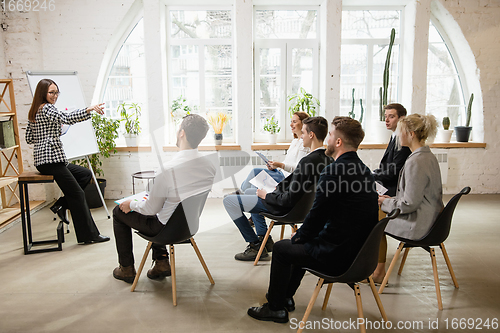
54,93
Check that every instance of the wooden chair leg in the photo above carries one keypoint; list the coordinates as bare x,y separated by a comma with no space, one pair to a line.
310,305
172,267
263,245
141,266
294,228
436,278
448,263
359,305
391,267
327,296
405,255
377,298
200,257
282,231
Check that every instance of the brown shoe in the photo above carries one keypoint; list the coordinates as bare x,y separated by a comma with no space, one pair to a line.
126,274
160,269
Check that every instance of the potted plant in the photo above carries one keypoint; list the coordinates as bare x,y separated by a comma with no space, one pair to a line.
272,127
106,131
218,121
463,132
130,113
351,113
303,101
179,109
444,135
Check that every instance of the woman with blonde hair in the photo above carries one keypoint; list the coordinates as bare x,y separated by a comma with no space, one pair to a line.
419,192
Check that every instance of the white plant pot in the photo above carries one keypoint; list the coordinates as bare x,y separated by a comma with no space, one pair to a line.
272,138
444,135
379,132
130,140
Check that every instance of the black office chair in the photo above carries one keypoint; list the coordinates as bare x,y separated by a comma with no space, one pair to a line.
293,217
361,268
436,236
180,229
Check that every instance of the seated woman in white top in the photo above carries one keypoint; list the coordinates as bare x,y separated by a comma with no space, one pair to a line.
419,192
279,170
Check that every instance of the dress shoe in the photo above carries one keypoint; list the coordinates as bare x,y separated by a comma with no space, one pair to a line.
265,313
61,212
126,274
160,270
269,243
98,239
289,303
251,252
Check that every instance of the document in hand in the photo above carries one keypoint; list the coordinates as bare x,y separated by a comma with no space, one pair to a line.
143,196
264,181
380,189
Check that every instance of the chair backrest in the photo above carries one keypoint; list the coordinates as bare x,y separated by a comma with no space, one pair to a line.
440,229
184,222
367,258
299,212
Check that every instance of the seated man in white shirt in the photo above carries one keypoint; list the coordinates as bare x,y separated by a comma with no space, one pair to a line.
188,173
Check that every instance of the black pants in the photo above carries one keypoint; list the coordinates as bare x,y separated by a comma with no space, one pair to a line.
72,179
287,273
123,225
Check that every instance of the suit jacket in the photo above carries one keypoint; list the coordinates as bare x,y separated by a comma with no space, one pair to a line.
390,166
419,196
291,189
344,212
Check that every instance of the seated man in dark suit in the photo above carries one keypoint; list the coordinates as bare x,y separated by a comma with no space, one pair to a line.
343,214
388,173
286,194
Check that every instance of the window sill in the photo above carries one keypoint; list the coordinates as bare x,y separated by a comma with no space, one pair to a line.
285,146
224,146
135,149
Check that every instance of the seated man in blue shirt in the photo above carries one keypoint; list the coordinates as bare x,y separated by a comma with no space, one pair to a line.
344,212
285,196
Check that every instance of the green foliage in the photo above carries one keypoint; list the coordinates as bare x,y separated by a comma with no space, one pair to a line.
272,125
130,113
106,132
385,84
469,110
303,101
446,123
179,109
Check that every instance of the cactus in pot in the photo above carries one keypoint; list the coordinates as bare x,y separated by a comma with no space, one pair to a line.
446,123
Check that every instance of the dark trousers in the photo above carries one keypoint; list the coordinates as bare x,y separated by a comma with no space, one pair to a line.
72,179
123,225
287,273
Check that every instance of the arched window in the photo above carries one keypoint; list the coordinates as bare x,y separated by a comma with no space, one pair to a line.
126,81
445,94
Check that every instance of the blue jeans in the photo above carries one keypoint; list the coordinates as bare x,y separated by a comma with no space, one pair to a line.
249,202
275,174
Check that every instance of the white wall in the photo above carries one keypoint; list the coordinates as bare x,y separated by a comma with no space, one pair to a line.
76,35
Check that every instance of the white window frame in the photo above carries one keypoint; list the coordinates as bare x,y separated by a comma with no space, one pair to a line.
201,43
286,46
371,43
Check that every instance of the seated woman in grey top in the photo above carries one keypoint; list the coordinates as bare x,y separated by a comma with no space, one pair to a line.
419,192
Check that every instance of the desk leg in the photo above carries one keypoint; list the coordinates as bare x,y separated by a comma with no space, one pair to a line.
28,214
23,217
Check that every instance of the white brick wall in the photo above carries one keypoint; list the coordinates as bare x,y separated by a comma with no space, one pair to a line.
76,34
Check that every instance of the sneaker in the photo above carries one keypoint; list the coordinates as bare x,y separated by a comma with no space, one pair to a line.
269,243
160,270
126,274
251,253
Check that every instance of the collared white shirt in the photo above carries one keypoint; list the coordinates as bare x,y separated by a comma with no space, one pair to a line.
187,174
294,154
